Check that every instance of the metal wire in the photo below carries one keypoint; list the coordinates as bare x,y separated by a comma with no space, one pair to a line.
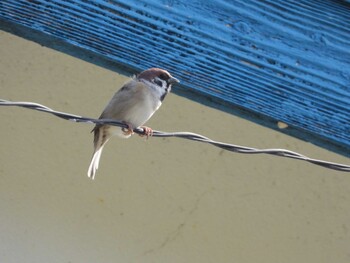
183,135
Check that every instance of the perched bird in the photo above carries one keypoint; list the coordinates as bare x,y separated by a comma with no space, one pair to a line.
133,104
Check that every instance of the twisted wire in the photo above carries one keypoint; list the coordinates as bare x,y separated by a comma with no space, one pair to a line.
183,135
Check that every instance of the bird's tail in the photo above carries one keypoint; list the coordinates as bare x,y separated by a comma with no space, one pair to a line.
100,138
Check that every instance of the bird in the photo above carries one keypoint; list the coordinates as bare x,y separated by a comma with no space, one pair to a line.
133,104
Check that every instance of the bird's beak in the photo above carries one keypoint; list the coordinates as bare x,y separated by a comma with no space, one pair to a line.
173,80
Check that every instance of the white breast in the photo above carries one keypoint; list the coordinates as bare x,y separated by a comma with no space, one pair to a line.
144,103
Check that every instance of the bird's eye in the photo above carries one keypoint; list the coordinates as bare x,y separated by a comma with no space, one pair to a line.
158,82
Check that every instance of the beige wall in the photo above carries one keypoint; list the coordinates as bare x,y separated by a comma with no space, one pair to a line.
160,200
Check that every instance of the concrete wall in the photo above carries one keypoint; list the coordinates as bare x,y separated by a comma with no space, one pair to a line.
156,200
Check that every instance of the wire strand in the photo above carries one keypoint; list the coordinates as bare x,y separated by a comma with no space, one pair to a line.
183,135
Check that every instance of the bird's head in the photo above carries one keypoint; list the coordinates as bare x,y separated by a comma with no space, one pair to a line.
160,78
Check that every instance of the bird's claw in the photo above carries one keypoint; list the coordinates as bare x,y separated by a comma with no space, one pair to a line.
147,131
128,131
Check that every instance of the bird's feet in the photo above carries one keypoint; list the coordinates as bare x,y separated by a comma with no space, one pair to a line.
128,131
147,131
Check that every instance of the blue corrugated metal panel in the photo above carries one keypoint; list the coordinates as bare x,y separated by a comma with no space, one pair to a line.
288,60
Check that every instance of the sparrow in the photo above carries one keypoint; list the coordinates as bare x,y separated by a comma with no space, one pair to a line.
133,104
